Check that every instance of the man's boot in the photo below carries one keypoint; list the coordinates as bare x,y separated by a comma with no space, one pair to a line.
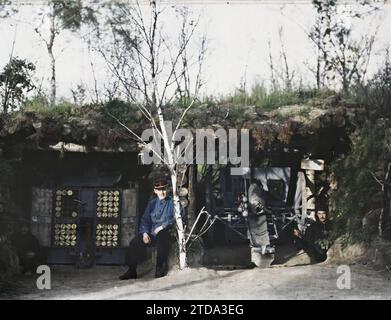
161,269
130,274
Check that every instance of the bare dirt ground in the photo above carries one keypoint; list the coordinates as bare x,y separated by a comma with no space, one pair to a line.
299,282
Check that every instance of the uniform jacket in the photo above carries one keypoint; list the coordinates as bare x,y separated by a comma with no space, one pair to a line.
157,213
318,231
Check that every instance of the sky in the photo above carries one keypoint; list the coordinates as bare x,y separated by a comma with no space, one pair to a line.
238,33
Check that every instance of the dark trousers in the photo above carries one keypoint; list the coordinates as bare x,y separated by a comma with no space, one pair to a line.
315,252
31,263
137,251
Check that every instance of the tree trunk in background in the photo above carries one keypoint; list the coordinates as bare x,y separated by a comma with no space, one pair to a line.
52,59
208,189
5,99
52,79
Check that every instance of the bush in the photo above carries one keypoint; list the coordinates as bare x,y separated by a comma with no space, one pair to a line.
359,193
266,100
61,110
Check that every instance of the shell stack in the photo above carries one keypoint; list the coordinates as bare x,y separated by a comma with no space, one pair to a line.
65,206
107,235
108,204
108,213
65,234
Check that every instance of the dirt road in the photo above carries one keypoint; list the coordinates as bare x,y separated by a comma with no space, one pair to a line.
300,282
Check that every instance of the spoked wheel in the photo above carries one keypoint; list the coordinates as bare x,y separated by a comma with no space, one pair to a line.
210,176
195,251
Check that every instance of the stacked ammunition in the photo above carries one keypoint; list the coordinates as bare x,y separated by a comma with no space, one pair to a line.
65,204
107,205
107,235
65,234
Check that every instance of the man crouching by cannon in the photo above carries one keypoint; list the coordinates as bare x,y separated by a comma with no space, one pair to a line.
315,242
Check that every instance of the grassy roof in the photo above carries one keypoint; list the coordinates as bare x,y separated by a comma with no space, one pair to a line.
95,127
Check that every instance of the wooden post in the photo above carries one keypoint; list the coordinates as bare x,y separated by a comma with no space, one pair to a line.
303,198
310,193
192,194
308,200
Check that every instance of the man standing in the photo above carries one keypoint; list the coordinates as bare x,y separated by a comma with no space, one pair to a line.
316,240
155,228
262,252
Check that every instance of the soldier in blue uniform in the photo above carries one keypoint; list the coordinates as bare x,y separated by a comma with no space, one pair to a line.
155,228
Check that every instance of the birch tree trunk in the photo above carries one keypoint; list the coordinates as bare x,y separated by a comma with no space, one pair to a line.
156,78
179,224
52,58
169,151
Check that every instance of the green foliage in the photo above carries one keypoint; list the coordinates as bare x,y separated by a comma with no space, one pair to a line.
38,103
277,99
128,113
356,173
60,111
15,82
341,57
357,187
265,100
64,109
232,110
377,93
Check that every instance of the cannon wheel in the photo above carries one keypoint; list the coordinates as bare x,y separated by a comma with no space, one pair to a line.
195,251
